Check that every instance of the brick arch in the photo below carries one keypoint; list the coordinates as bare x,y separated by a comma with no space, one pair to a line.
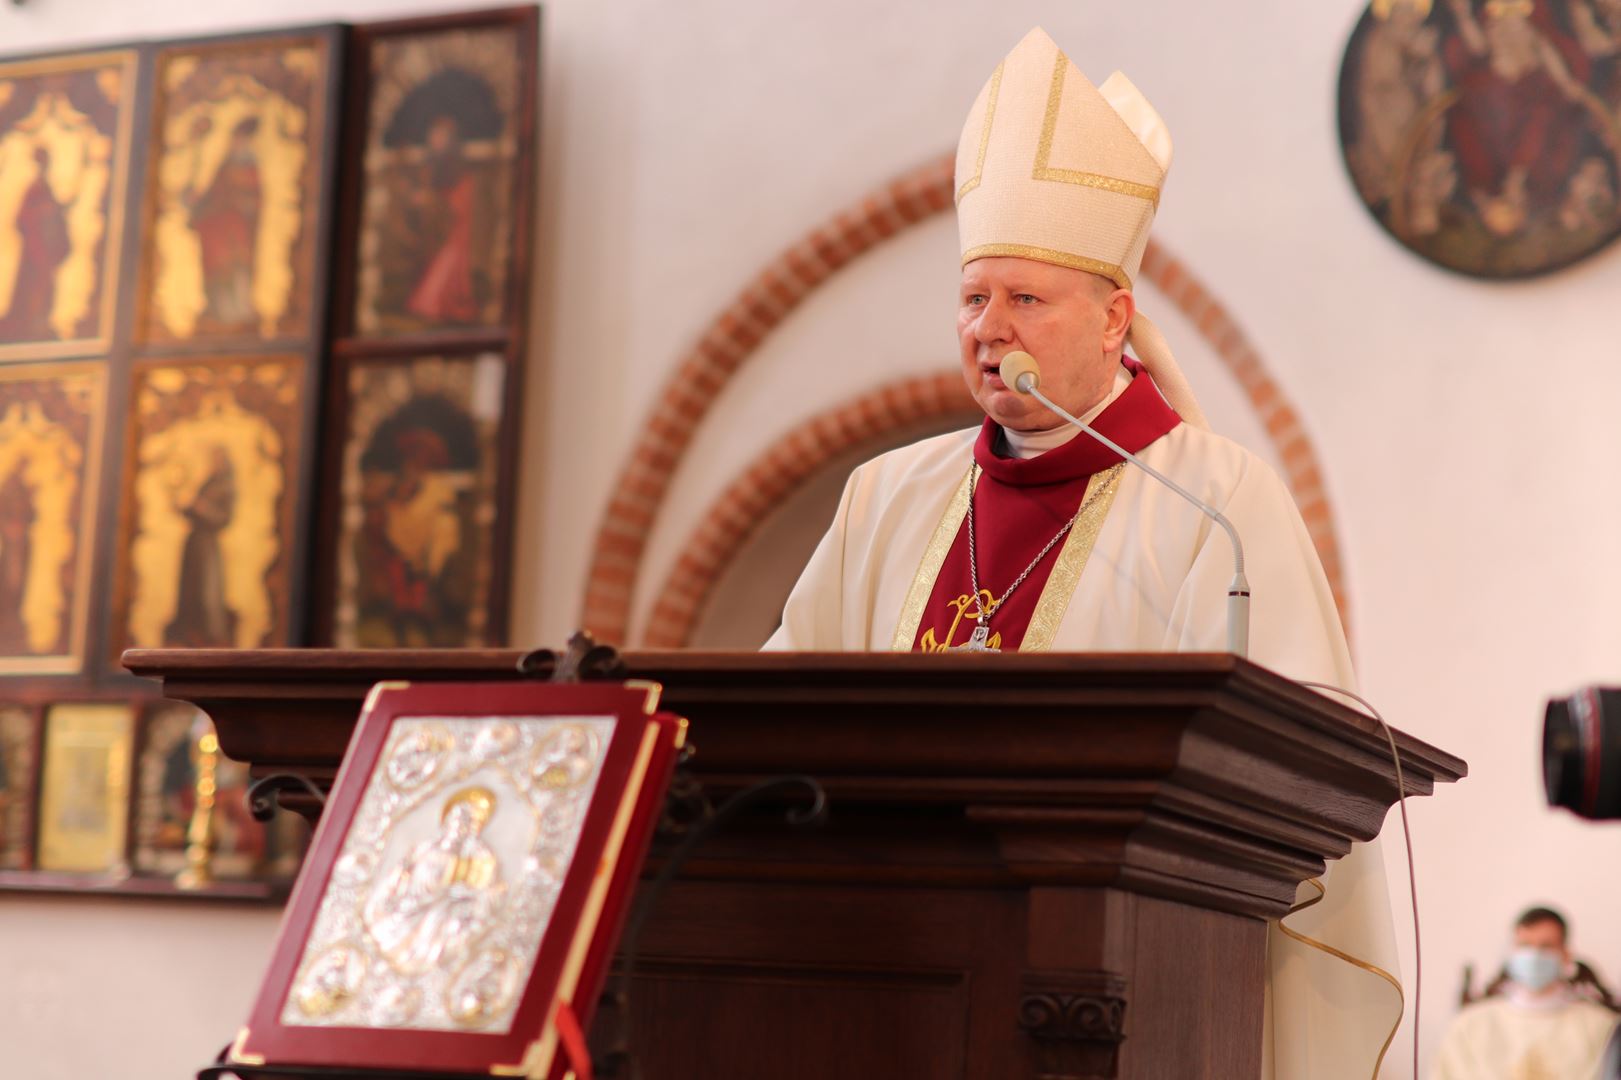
734,335
775,475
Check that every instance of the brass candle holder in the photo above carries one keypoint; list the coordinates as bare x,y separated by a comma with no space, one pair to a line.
199,871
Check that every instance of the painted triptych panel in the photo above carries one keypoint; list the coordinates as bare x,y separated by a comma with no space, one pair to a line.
238,134
440,164
51,418
64,169
209,484
418,508
174,747
84,790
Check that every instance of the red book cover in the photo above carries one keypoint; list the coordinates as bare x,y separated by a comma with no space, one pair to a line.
468,879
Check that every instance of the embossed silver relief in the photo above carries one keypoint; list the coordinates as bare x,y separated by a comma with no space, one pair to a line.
449,874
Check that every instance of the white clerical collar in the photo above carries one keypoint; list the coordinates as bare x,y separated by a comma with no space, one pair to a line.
1549,1001
1025,445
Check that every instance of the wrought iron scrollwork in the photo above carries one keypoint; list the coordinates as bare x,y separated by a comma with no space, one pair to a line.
264,795
583,660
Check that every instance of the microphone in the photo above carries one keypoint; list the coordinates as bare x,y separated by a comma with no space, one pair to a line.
1021,373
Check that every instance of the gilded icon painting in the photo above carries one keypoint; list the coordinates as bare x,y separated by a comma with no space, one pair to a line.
19,748
1485,135
448,877
50,451
175,756
208,500
230,245
64,166
440,156
84,793
418,502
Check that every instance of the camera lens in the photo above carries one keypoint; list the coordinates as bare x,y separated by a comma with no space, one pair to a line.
1581,753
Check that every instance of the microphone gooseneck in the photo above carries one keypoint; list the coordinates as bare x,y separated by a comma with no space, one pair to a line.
1021,373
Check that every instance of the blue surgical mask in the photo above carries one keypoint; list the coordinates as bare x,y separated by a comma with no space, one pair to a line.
1534,969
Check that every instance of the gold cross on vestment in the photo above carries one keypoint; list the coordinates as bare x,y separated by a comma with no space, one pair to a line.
977,641
980,639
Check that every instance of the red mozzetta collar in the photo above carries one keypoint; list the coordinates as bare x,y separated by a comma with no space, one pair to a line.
1134,419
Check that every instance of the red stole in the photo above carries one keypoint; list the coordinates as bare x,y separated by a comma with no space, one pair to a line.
1019,506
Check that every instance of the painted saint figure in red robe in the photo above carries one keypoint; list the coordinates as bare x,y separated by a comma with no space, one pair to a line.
445,292
1518,124
225,217
42,223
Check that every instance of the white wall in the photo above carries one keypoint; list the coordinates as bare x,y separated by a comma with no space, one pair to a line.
684,144
114,986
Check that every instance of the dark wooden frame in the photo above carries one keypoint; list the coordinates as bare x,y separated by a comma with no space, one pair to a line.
97,676
36,717
511,340
302,480
348,341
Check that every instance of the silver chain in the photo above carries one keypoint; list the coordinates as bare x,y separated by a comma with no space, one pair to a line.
973,559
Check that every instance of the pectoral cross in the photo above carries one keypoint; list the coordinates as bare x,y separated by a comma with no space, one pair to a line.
979,641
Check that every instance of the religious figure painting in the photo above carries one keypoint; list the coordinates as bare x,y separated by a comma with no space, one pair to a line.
64,167
1485,135
449,874
84,792
209,483
418,504
440,163
51,418
231,220
166,800
19,750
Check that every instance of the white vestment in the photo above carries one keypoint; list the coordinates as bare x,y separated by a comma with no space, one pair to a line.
1501,1039
1156,580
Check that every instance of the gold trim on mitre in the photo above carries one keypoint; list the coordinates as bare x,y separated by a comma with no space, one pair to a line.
1055,169
984,132
1058,258
1044,148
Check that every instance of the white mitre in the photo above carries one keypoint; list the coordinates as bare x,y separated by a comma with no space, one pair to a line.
1051,168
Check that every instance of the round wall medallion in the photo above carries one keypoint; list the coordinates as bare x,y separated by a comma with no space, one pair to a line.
1485,135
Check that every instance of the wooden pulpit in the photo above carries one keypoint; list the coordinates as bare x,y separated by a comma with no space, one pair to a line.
1035,865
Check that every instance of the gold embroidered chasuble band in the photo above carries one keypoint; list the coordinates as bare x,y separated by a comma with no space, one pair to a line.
1061,583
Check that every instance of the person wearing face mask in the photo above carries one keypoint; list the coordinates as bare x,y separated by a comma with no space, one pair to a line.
1536,1026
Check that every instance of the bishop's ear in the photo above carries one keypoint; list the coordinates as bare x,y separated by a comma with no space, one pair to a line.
1120,308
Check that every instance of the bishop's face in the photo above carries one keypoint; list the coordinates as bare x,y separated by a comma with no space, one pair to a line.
1074,324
